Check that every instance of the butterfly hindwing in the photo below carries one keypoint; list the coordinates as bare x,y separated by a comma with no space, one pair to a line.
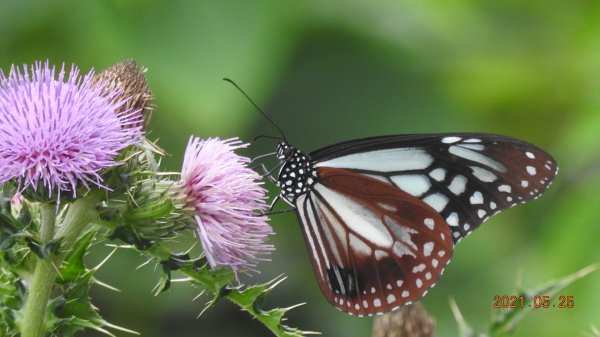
381,215
374,247
466,177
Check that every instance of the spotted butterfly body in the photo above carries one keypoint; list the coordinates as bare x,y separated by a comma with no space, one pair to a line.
381,215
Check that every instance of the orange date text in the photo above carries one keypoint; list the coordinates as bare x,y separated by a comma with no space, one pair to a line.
537,302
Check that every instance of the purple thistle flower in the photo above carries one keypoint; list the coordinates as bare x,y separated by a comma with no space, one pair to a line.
226,195
60,133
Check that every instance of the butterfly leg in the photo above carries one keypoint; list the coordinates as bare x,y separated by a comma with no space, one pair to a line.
266,172
272,206
280,212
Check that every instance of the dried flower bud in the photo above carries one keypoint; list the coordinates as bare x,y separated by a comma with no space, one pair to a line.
129,79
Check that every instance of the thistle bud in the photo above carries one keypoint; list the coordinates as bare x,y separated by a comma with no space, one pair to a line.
128,78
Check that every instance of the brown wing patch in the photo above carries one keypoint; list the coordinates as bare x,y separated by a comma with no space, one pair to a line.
374,246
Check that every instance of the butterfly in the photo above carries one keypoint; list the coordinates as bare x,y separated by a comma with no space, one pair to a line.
381,215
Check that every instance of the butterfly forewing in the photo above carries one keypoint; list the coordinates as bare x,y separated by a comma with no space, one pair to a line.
374,247
465,177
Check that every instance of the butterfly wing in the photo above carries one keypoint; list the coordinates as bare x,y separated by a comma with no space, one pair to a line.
466,177
373,246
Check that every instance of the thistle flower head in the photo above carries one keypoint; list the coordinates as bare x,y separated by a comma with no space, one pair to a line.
225,195
59,133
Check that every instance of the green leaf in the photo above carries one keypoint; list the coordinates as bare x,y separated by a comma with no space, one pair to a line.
251,300
150,212
73,265
217,284
504,322
74,311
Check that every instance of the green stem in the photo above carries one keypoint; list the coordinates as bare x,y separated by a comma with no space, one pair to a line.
48,215
42,282
80,213
34,316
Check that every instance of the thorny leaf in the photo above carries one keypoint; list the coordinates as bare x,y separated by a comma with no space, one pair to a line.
216,283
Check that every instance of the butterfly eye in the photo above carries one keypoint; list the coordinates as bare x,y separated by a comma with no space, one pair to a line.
284,151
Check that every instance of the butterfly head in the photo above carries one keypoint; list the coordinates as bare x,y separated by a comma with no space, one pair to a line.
295,175
284,151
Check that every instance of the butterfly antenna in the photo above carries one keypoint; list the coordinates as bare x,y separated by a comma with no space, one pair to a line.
265,136
256,107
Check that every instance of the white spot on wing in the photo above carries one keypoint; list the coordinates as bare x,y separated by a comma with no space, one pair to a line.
437,201
388,160
483,174
450,139
429,223
477,147
380,254
402,232
439,174
524,183
415,184
531,170
476,198
419,283
376,303
358,217
391,298
472,140
530,155
359,246
452,219
401,250
504,188
458,184
405,293
481,213
418,269
476,157
387,207
427,248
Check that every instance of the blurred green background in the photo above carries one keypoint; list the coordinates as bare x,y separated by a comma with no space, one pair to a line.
336,70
